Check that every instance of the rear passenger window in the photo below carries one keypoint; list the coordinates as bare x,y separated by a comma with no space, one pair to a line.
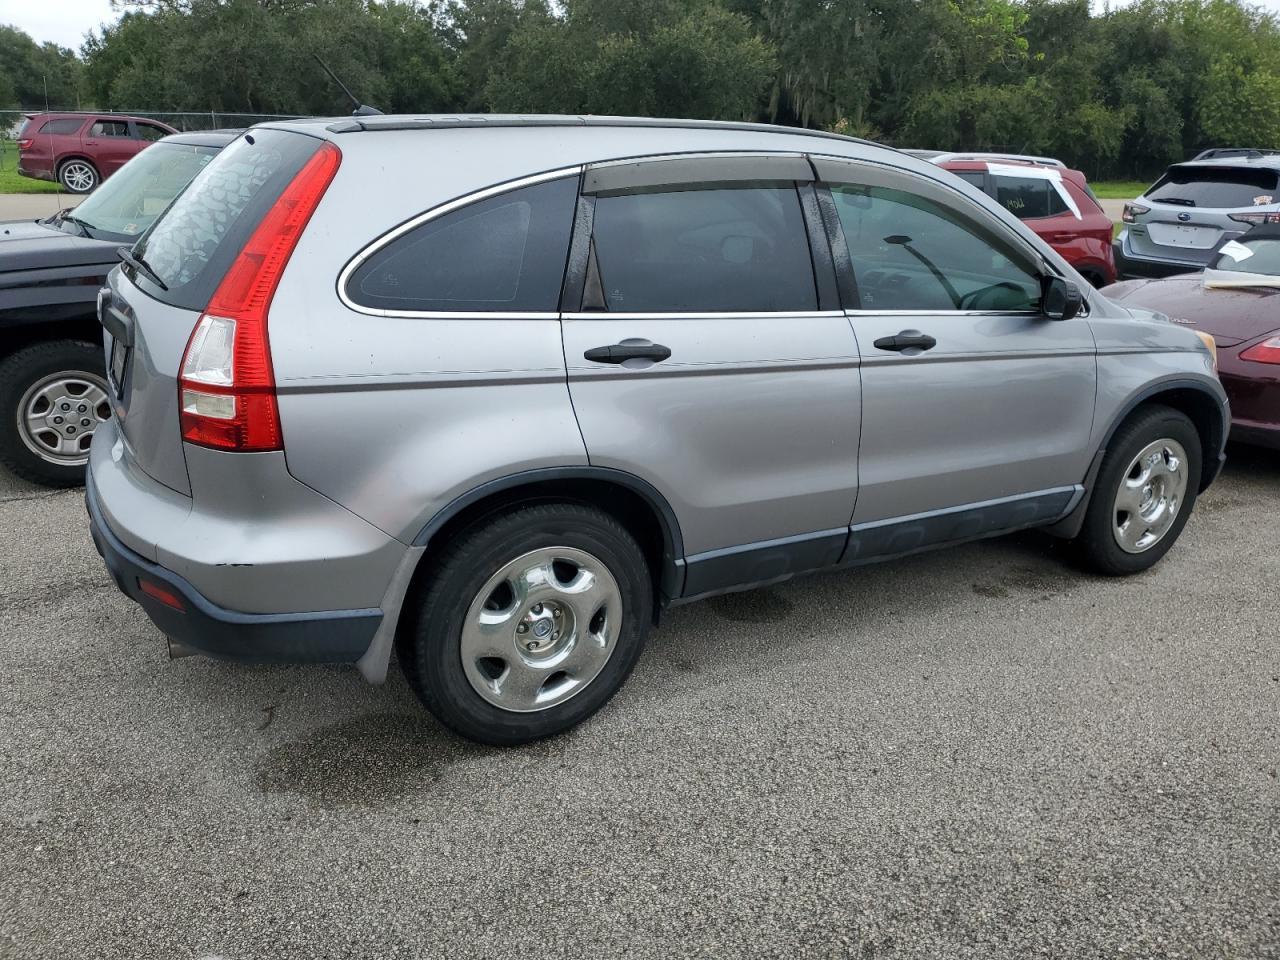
704,249
975,177
910,253
1029,198
506,253
62,127
109,128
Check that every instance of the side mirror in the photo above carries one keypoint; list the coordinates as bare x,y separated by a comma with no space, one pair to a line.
1060,299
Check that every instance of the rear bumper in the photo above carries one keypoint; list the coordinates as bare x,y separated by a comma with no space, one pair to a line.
1130,266
331,636
35,169
1256,434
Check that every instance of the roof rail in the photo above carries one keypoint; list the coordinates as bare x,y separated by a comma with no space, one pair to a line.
1214,153
1007,157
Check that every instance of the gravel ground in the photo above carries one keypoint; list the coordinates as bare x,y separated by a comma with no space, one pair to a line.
978,753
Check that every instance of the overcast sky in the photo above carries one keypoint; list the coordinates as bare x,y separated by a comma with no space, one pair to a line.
67,21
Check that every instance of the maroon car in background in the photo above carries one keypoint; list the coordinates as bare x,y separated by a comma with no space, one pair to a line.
1050,198
80,150
1237,300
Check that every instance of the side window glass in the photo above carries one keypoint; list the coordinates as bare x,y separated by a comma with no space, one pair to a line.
975,177
505,253
704,248
147,131
910,253
61,127
109,128
1029,198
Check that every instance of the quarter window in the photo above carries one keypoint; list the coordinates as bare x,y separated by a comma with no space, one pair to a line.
1029,198
62,127
149,131
505,253
702,248
910,253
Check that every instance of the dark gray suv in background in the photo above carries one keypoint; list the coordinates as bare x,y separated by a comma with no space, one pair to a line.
496,391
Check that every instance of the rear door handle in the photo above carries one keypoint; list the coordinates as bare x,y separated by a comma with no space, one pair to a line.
628,350
912,340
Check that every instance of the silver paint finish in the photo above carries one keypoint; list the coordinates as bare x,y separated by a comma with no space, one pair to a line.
750,429
148,411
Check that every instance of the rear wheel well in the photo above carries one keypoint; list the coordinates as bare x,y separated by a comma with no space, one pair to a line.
641,518
1202,410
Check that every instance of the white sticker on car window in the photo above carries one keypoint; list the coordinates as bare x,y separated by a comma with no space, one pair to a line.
1263,200
1236,251
1038,173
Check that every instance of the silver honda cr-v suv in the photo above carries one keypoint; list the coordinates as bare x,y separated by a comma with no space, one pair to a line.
493,392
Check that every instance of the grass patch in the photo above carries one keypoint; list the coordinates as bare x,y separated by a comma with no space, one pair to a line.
10,182
1117,189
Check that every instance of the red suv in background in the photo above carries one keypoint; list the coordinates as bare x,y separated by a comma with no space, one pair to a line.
1052,199
80,150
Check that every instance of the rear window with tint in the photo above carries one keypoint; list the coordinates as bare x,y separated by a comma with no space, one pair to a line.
1225,187
1029,198
63,126
506,253
194,242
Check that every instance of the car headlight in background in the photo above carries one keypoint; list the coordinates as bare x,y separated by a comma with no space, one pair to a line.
1208,341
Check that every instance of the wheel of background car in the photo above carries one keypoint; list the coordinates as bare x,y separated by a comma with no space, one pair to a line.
78,176
53,397
1144,492
529,623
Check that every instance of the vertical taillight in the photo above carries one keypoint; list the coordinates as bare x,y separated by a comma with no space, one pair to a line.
227,391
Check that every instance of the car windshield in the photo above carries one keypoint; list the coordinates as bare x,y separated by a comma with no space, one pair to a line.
1252,261
126,204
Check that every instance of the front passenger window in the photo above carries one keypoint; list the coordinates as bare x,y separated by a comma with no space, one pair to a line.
910,253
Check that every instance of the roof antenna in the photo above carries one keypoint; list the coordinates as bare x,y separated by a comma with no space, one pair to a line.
361,110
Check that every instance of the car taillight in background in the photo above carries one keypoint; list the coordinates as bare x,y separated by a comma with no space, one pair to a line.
1132,211
1253,219
1268,351
25,143
227,391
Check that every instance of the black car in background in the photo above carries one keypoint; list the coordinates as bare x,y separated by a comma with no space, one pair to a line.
52,383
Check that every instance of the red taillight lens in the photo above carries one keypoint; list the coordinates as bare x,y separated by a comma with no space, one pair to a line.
157,592
1268,351
1253,219
25,144
227,391
1132,211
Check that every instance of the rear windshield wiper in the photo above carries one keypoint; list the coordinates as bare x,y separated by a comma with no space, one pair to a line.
1180,201
129,257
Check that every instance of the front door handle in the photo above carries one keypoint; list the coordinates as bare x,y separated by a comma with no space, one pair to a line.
912,341
628,350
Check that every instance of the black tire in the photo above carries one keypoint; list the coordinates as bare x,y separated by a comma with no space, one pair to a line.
431,648
19,372
1098,545
78,175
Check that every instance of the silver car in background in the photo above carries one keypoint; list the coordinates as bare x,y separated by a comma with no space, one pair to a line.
494,392
1182,219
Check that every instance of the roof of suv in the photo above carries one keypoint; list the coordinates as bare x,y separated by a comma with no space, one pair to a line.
203,138
323,126
1267,161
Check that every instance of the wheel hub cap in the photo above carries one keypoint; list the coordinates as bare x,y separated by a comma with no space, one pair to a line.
58,415
541,629
1150,496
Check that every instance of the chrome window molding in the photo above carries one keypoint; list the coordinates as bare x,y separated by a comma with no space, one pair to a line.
714,315
435,212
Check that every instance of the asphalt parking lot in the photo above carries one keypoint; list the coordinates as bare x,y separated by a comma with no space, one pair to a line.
977,753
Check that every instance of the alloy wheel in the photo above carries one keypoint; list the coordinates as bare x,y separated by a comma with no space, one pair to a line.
1150,495
541,629
58,414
